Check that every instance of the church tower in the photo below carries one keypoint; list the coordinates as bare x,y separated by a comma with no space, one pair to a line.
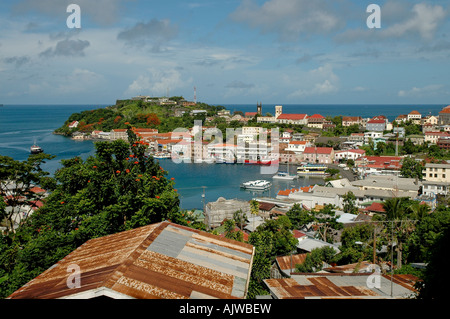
259,108
278,110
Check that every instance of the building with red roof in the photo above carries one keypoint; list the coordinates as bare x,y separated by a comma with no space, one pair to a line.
320,155
444,116
297,119
316,120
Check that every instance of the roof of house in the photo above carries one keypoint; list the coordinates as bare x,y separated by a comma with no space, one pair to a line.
351,118
289,262
376,122
340,286
414,112
298,142
162,260
445,110
292,116
162,142
250,114
316,116
318,150
376,207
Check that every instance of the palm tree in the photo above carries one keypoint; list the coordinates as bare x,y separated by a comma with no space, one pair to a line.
419,210
396,214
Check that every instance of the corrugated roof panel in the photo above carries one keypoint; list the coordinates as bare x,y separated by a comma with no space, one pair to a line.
162,260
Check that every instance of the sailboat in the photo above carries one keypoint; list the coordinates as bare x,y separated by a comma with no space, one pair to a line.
285,175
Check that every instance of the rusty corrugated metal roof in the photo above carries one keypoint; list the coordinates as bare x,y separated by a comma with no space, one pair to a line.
163,260
341,286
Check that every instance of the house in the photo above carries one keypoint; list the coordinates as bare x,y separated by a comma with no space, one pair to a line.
436,179
287,264
316,120
380,165
415,117
342,286
216,212
357,138
351,120
444,143
295,119
433,137
430,119
376,125
250,114
320,155
444,116
298,147
162,260
402,118
372,135
349,154
73,124
119,134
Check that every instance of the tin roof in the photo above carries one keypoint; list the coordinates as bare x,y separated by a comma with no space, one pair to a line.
340,285
162,260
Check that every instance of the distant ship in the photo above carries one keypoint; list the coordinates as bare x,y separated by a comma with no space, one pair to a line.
36,149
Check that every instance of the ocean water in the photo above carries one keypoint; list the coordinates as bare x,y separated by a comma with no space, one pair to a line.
23,125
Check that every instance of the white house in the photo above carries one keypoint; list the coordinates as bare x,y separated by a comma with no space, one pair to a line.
349,154
298,147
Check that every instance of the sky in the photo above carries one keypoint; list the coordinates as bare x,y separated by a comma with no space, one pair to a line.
231,51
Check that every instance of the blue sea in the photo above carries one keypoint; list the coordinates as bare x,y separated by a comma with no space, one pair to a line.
23,125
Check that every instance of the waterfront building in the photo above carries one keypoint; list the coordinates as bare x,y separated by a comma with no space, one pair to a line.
320,155
73,124
430,119
401,118
298,147
119,134
222,152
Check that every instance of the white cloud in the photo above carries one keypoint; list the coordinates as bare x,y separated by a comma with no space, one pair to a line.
423,20
290,19
428,90
320,81
157,82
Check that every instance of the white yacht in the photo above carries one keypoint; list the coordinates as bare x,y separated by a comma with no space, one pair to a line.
257,185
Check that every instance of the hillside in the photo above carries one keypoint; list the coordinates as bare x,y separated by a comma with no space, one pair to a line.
137,113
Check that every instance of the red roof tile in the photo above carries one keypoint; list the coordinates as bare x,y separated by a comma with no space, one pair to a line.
294,117
318,150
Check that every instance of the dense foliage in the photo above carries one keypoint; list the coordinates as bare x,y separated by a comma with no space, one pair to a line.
117,189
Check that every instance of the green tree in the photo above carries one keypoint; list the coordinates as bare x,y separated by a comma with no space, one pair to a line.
315,260
349,200
118,188
17,179
298,216
411,168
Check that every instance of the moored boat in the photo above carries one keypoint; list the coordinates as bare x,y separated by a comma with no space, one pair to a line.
285,176
312,170
257,185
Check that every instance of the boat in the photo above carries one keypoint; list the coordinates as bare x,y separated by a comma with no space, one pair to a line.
256,185
312,170
35,149
161,155
285,176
